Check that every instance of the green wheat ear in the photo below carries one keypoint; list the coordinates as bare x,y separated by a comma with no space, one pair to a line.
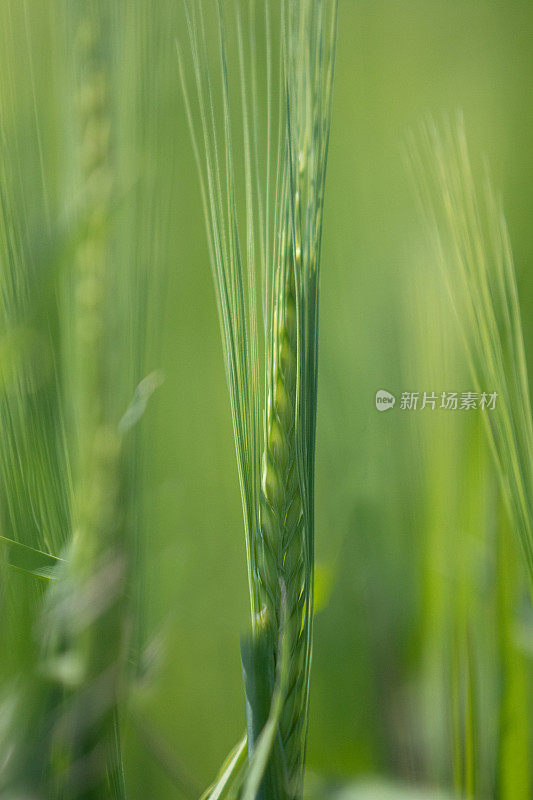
272,381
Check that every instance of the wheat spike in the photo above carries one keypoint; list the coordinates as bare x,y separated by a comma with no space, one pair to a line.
274,418
281,517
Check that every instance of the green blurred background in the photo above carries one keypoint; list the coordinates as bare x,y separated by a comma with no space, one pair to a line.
405,502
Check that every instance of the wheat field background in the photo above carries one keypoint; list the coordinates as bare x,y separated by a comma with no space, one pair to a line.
408,565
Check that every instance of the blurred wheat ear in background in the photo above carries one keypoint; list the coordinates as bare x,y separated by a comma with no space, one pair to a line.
468,232
72,318
265,257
